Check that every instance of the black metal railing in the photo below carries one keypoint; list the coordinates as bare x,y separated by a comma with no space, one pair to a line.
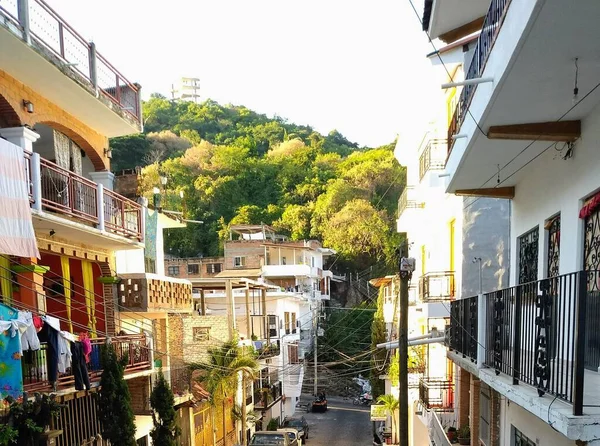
269,350
268,395
437,286
405,203
433,156
436,393
536,333
463,327
485,42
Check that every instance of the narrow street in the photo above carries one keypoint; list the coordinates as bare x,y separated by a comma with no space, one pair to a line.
342,425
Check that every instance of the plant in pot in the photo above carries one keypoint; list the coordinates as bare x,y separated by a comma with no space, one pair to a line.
464,435
451,434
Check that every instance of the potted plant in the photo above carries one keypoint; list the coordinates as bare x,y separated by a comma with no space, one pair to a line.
464,435
451,434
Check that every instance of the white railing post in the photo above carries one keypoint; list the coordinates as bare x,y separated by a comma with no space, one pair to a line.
481,328
36,181
93,67
100,205
23,12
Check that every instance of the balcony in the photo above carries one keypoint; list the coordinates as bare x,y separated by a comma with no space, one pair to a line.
35,367
436,393
296,270
62,199
151,292
53,59
266,350
437,286
266,397
408,200
433,157
540,333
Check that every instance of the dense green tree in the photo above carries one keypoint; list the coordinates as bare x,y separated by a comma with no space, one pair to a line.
162,401
115,413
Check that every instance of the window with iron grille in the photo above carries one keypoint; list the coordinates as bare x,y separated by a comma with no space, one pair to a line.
201,334
518,439
213,268
173,271
528,256
193,268
553,254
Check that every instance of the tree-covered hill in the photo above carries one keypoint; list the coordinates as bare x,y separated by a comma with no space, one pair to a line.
233,165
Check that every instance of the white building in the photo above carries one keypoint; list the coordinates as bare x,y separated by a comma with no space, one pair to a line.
528,130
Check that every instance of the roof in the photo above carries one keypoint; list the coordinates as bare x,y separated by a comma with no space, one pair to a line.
237,273
379,281
220,283
250,229
427,7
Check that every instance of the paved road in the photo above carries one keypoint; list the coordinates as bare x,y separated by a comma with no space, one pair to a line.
342,425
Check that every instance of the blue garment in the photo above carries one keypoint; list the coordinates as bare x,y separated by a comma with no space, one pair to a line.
150,235
11,374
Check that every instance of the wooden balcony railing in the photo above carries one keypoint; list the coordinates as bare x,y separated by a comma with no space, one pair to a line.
64,192
436,286
436,393
485,43
433,157
37,22
151,292
538,333
35,366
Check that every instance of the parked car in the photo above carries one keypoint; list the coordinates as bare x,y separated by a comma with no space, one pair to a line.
293,434
300,424
271,438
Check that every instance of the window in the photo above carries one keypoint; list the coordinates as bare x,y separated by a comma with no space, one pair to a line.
518,439
150,265
552,227
528,256
239,262
287,322
484,412
214,268
193,268
294,323
201,334
173,271
283,261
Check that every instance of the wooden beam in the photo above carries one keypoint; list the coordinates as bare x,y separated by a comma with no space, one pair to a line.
492,192
462,31
562,131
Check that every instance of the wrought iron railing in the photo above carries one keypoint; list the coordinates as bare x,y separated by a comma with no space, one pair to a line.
35,363
49,30
433,156
436,393
269,350
404,202
436,286
485,43
463,327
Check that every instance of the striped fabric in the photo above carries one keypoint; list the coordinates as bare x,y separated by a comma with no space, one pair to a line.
16,228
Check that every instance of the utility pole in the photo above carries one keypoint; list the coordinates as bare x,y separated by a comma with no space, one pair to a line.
405,272
316,341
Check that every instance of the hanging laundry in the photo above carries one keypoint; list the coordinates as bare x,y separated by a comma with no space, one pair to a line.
64,357
11,375
87,345
38,323
50,335
29,338
79,368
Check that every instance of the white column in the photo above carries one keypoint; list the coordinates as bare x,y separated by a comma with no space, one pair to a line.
104,177
21,136
36,181
100,206
481,327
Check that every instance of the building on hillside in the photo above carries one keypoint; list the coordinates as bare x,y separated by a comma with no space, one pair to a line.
186,89
194,267
527,354
60,102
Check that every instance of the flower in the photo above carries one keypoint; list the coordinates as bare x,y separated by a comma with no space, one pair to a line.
16,356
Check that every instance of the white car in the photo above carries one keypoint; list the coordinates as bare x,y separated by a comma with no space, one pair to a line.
292,433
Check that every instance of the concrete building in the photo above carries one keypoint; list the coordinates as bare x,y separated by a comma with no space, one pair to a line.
527,356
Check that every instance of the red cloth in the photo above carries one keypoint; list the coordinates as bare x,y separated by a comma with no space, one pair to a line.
38,323
590,206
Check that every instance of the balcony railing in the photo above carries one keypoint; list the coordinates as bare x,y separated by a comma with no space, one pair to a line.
433,157
35,363
148,292
267,396
268,349
37,22
59,190
540,333
405,202
436,286
436,393
485,43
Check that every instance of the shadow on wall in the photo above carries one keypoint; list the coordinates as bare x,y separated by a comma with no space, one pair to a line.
486,235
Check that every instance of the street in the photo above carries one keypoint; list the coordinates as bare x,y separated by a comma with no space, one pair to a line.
342,425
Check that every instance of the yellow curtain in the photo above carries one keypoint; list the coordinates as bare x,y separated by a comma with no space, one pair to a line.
66,273
5,280
90,302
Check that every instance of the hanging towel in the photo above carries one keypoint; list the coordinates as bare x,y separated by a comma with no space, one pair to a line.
29,338
64,357
150,235
16,228
11,375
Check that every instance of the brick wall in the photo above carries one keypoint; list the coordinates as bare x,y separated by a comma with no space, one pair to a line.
464,384
494,418
474,410
191,348
92,142
139,388
176,339
253,251
202,263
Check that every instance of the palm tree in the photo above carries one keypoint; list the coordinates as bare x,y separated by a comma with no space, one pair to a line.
391,405
227,363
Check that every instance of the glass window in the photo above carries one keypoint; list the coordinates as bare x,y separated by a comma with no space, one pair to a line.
173,271
239,262
521,440
194,268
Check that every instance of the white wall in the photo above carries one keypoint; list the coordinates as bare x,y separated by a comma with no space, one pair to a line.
551,185
529,425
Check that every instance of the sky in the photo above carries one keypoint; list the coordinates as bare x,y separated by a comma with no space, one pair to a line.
355,66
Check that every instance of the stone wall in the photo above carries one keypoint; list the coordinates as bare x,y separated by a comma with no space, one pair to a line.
191,336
